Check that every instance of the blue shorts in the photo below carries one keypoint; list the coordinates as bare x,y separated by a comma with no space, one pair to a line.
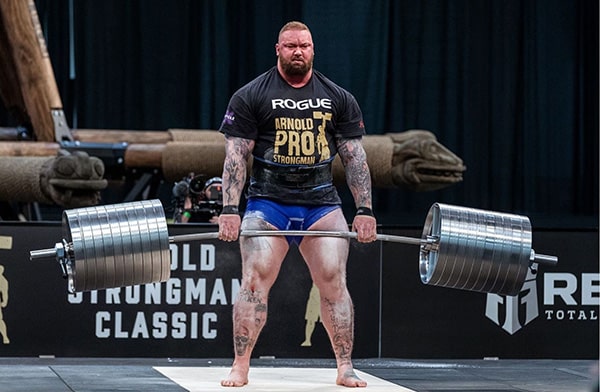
287,217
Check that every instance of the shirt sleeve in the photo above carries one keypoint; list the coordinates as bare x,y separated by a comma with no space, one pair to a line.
239,120
349,123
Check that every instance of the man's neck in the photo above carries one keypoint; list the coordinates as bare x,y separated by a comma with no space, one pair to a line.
295,81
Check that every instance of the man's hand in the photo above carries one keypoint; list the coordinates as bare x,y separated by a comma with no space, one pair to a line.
366,228
229,227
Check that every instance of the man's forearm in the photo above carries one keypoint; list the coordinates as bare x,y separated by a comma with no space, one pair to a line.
358,177
237,152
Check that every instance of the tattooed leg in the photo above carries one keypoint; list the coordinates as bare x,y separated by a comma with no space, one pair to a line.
326,258
338,318
249,317
261,261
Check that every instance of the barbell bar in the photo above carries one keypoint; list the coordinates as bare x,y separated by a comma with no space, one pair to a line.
128,244
303,233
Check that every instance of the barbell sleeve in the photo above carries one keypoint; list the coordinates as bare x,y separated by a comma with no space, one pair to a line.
543,259
42,253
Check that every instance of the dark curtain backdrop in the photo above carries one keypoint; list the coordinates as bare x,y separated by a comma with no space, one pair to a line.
511,86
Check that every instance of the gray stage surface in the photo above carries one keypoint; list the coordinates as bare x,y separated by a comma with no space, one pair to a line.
133,374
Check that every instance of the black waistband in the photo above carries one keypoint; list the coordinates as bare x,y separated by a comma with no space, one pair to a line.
292,176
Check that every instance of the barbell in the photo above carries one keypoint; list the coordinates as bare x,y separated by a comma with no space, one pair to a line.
127,244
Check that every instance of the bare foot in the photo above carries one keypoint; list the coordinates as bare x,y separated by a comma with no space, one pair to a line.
349,379
238,377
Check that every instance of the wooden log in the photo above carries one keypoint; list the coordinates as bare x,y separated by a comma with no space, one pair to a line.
196,135
146,137
181,158
20,179
27,48
144,155
35,149
120,136
10,90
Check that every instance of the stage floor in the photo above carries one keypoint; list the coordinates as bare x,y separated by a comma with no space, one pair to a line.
288,375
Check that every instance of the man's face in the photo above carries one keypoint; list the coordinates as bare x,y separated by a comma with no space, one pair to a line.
295,52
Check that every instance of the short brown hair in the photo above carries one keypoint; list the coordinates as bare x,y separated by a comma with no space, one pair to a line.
293,25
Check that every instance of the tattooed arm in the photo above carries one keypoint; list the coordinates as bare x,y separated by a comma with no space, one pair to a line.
354,159
237,152
358,177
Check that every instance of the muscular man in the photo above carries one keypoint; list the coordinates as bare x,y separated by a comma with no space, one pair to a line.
293,120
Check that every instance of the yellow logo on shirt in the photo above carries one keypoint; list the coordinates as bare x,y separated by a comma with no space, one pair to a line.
296,142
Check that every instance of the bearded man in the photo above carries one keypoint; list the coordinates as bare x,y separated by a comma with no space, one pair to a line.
293,121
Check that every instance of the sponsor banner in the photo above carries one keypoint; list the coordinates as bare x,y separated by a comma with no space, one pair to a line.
554,316
188,316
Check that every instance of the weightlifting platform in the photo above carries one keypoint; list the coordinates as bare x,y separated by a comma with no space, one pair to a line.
272,374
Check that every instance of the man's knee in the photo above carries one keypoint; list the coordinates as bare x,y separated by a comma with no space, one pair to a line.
332,286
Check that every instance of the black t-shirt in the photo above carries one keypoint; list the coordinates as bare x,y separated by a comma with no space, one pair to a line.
293,127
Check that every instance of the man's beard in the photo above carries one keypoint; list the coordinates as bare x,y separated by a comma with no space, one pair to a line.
295,69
